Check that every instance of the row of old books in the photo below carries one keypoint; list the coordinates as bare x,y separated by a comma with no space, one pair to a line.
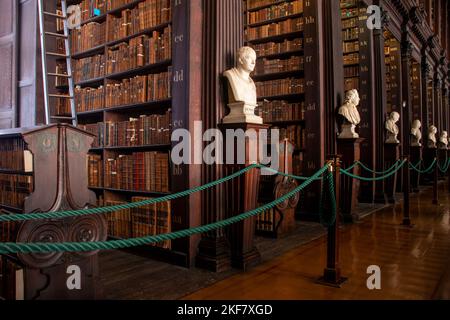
276,11
351,71
265,221
268,66
272,48
254,4
348,3
350,46
280,87
89,68
95,170
89,99
275,111
275,29
146,130
62,107
351,12
61,68
8,230
96,129
14,157
295,134
141,51
115,4
350,34
140,171
351,58
87,37
14,189
349,23
143,131
140,89
148,220
92,8
148,14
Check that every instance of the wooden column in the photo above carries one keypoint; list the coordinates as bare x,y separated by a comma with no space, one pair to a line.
425,72
350,149
380,103
406,48
241,196
366,108
333,71
223,36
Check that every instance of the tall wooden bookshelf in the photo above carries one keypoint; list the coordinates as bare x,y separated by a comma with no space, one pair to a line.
416,91
392,60
124,80
284,36
357,41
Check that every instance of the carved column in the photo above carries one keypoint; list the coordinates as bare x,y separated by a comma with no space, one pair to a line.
406,48
380,103
425,72
437,116
223,36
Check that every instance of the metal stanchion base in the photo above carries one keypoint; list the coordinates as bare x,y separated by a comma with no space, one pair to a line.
332,278
407,223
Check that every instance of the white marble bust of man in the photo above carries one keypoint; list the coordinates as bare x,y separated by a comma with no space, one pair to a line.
243,88
351,115
443,140
392,128
432,131
416,133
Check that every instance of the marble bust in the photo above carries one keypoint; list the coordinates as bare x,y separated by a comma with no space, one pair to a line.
432,131
392,128
416,134
443,140
242,98
350,114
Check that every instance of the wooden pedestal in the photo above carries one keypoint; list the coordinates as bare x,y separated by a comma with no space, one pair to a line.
416,156
350,149
442,160
391,155
429,154
241,196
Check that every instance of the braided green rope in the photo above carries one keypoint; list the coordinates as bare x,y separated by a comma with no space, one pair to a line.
444,168
345,172
92,211
328,221
76,213
26,248
430,168
362,165
415,167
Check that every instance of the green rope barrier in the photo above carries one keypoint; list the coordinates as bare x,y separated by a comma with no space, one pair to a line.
76,213
26,248
374,179
427,170
92,211
362,165
446,166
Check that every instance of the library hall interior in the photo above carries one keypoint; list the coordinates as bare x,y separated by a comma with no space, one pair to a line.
224,150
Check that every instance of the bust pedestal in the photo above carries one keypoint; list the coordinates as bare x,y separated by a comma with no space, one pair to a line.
241,196
442,159
416,156
350,149
429,154
391,155
241,112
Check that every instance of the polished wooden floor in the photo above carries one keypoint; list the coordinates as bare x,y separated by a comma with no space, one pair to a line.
414,262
